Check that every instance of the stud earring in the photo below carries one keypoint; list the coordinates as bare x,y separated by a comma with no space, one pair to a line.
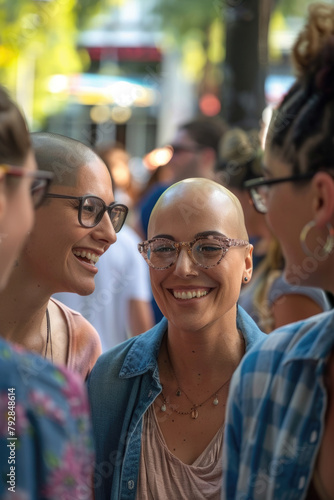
245,279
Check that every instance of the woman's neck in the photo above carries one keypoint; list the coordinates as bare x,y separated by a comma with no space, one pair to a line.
261,246
23,306
205,355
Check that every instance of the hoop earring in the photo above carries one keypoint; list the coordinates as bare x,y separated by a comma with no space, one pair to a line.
329,243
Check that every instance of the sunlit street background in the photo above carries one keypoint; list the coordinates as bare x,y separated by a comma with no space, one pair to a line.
132,70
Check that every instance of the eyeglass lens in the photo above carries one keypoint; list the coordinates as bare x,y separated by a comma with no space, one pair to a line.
205,252
38,190
259,197
92,211
117,216
40,182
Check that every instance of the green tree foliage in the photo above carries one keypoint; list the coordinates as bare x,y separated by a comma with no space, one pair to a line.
297,8
180,17
244,25
38,40
196,28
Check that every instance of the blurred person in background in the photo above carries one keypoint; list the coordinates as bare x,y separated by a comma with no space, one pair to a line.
268,298
195,149
279,434
46,447
74,227
117,159
194,154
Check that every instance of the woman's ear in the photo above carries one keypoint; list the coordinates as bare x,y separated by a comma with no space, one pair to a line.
248,264
323,198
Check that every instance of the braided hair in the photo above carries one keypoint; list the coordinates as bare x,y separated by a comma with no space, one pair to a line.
302,127
239,157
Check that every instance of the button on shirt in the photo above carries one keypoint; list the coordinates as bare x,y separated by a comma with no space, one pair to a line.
276,413
122,385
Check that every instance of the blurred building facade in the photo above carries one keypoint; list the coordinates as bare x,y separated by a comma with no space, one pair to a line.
133,90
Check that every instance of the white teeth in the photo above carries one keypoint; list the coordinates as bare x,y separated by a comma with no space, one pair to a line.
89,255
189,294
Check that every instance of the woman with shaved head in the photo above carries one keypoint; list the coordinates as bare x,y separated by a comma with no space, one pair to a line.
158,400
73,228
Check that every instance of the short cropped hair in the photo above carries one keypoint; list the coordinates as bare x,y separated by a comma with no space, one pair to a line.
61,155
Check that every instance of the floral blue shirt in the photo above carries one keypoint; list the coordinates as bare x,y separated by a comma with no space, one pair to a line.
276,413
46,449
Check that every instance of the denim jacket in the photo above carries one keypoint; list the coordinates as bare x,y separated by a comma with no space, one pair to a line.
122,385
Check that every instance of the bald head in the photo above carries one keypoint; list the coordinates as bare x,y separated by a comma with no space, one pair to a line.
61,155
199,197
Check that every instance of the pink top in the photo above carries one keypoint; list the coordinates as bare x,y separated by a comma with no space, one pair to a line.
162,475
84,345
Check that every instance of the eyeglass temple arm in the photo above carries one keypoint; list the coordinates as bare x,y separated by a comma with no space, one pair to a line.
239,243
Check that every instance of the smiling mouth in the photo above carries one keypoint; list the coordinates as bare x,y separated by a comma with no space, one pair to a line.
88,257
190,294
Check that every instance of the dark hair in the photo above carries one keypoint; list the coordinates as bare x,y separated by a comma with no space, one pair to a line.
302,128
14,135
205,131
239,157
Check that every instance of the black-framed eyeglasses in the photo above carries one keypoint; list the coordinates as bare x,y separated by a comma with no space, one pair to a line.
205,251
259,188
92,208
40,184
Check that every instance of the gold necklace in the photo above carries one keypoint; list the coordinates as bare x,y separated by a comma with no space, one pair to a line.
48,335
194,407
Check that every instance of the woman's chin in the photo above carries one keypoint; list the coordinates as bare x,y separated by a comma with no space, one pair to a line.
83,289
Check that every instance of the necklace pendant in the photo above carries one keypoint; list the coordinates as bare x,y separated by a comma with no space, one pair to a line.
215,401
194,414
163,407
178,393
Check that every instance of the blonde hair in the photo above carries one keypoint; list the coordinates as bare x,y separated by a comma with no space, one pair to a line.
269,269
313,38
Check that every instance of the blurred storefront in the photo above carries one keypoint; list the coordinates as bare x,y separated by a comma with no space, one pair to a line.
132,90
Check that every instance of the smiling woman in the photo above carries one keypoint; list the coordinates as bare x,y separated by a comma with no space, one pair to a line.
43,408
74,226
159,398
279,438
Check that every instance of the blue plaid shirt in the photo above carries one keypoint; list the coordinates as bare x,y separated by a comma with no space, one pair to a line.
276,410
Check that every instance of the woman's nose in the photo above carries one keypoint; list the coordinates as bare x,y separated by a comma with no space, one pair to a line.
184,263
105,230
